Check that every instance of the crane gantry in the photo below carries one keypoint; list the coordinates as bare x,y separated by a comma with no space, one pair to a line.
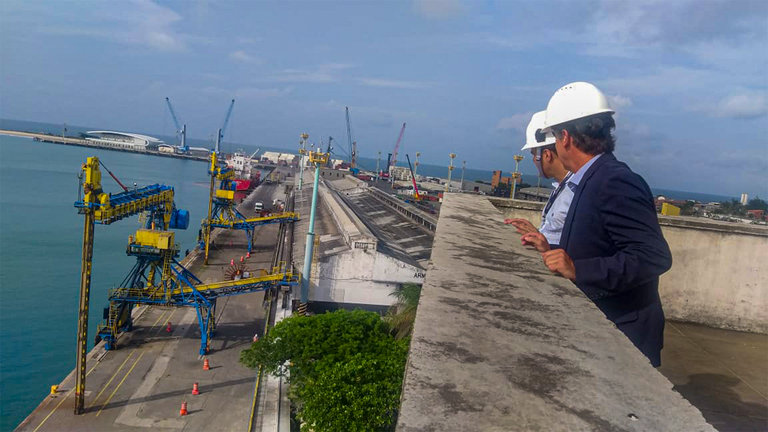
157,278
222,208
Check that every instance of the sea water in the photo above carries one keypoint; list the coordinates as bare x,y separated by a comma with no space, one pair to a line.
40,253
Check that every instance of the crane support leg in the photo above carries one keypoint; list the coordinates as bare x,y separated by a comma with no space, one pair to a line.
82,320
207,233
205,318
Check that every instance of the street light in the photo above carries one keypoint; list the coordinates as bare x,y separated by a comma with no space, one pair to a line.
450,170
516,174
319,159
302,152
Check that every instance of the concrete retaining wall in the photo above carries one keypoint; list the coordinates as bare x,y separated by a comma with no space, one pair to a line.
362,277
719,275
427,221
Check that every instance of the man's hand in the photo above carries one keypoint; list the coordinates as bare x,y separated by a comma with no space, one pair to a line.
558,261
523,225
537,240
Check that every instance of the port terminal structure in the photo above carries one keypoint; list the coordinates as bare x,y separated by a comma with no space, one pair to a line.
157,278
222,208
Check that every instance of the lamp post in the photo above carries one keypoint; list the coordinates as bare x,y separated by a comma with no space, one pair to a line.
463,168
516,174
318,159
378,161
450,170
302,152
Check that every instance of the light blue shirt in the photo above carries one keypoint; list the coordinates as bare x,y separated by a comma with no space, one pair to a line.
578,175
553,222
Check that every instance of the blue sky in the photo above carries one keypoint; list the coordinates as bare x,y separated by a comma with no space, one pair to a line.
688,78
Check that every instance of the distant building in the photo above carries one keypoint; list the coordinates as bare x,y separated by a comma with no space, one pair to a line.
400,173
744,199
498,179
123,140
278,158
756,214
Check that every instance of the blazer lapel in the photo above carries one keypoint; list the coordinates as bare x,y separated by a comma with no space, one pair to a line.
565,237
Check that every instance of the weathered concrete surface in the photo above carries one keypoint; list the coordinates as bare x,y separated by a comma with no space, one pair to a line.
501,344
719,274
718,278
722,372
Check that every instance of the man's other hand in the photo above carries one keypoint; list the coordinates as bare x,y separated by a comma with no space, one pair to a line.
537,240
523,225
558,261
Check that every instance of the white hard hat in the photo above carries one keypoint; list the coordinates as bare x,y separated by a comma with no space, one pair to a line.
574,101
533,133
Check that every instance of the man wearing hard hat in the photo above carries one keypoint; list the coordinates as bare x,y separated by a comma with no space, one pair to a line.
611,245
542,147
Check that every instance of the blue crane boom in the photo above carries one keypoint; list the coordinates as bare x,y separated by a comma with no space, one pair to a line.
226,120
173,114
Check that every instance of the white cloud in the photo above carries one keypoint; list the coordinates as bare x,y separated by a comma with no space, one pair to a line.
262,93
243,57
516,121
134,22
248,93
321,74
377,82
619,102
742,106
439,8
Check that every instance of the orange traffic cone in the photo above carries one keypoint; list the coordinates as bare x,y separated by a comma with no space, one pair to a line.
206,365
232,261
248,255
183,410
168,329
256,337
241,258
195,389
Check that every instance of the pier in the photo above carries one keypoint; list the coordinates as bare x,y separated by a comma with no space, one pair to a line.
143,383
56,139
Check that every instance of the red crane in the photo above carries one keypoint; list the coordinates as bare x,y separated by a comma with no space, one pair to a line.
397,146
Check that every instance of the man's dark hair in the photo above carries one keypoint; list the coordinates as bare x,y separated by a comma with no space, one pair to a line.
550,147
592,135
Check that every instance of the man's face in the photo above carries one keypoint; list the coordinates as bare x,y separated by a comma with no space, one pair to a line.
562,153
538,160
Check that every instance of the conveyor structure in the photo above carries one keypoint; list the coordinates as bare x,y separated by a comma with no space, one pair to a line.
222,208
157,278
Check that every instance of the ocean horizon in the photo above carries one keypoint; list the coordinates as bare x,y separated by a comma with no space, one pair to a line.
366,163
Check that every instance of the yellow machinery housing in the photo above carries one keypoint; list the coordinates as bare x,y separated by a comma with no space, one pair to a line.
668,209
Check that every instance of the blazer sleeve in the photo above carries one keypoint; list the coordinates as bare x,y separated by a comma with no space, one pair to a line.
629,217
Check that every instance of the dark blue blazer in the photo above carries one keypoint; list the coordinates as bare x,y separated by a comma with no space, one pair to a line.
612,234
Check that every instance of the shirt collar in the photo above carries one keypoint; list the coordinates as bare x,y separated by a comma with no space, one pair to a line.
556,184
578,175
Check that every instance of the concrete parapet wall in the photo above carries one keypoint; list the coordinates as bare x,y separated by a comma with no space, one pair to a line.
500,343
719,274
352,229
425,220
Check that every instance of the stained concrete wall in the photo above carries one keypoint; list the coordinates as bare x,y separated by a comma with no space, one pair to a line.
500,344
719,275
362,277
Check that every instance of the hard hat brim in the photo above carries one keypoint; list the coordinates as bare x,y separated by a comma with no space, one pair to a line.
548,127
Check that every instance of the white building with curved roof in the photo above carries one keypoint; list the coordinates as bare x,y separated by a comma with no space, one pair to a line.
123,140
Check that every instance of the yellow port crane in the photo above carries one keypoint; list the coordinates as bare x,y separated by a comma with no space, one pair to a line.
99,207
157,278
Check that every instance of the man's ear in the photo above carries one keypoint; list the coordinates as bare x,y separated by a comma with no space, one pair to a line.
567,139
